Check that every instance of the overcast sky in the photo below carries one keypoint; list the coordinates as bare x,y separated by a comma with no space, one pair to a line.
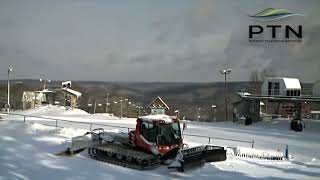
145,40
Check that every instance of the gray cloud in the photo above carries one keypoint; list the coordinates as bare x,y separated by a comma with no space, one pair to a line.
144,41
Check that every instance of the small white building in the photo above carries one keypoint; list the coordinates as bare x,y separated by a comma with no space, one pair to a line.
316,89
281,86
32,99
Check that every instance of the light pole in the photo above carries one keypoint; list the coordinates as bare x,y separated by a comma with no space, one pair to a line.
115,108
8,105
134,108
140,110
127,101
214,107
225,72
95,107
177,113
89,105
99,105
45,81
198,113
107,103
121,108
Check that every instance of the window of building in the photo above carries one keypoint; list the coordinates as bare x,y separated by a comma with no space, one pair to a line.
293,92
273,88
269,88
276,88
157,111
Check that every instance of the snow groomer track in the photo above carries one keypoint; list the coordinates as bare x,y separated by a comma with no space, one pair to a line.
124,156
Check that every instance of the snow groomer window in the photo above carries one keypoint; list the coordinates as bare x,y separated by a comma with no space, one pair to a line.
148,132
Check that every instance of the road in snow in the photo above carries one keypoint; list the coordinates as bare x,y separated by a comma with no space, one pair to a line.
27,150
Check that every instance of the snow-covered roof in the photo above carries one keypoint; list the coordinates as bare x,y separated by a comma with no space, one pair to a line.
157,117
44,91
150,105
290,83
244,93
76,93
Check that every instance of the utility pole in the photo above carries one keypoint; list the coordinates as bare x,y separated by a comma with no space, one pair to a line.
225,72
107,103
8,105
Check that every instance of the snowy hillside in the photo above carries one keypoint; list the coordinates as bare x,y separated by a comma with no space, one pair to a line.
27,150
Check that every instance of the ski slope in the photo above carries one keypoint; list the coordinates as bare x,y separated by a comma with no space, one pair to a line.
27,150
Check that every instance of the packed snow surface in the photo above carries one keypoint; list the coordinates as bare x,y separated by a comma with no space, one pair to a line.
27,150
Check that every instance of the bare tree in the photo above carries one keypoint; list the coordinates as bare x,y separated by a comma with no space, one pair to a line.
266,73
255,82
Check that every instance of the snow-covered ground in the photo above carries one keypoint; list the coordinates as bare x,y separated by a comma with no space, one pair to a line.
27,150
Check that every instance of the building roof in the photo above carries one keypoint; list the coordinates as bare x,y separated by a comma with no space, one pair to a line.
45,91
158,98
315,112
281,98
71,91
290,83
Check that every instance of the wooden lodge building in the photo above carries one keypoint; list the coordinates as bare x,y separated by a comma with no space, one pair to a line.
158,106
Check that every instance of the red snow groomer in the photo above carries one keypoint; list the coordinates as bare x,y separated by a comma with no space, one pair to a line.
156,140
159,135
